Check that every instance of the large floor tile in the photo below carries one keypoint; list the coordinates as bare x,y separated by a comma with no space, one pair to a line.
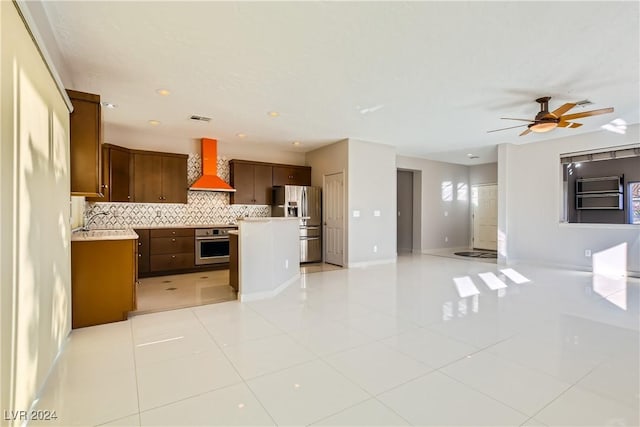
437,400
82,399
233,331
579,407
379,326
180,344
306,393
169,380
230,406
517,386
368,366
265,355
367,413
429,347
330,338
130,421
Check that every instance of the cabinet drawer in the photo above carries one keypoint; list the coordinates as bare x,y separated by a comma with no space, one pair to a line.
171,245
172,262
172,232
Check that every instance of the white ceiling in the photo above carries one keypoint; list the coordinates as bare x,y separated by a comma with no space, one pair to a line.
430,78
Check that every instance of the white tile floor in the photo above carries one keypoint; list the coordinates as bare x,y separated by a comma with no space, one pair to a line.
387,345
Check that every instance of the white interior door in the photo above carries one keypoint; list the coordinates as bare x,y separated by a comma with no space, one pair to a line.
485,216
334,218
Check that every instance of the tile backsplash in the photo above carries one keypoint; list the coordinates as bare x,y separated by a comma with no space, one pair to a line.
202,208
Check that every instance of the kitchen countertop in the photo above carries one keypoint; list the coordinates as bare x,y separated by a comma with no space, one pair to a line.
274,218
84,236
188,226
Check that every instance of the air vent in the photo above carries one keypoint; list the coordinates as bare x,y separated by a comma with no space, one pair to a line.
200,118
584,102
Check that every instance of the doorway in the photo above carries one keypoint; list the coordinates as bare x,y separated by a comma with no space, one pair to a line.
484,212
405,211
333,189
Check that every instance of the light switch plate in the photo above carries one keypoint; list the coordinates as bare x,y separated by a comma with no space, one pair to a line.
356,214
376,213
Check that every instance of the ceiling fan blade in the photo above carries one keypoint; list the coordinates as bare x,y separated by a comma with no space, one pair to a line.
525,132
560,111
522,120
586,114
512,127
565,124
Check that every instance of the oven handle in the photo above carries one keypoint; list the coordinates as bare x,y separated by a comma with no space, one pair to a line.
212,238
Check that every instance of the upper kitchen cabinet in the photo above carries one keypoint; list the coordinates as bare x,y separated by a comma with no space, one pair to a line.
116,175
86,144
252,181
159,177
291,175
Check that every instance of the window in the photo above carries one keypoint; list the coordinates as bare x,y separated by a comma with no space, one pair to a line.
634,202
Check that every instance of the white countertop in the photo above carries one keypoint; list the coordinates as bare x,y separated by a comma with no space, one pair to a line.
143,227
83,236
273,218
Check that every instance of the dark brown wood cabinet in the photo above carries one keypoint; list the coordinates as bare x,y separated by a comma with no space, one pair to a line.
159,177
102,295
252,181
143,251
234,277
116,175
85,144
171,249
291,175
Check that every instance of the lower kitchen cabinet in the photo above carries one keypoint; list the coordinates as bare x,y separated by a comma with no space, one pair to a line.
171,249
103,277
234,280
143,251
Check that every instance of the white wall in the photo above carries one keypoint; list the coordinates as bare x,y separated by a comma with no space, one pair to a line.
445,223
372,187
35,293
483,174
330,159
529,205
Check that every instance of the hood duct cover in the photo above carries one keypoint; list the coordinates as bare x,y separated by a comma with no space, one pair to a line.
210,181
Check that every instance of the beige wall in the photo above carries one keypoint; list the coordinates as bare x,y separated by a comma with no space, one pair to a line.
35,280
483,174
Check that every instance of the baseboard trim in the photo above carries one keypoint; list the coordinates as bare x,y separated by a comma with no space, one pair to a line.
268,294
365,264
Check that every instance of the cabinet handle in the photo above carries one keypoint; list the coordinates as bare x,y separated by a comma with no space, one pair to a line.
139,243
160,198
128,197
173,256
173,240
173,232
139,255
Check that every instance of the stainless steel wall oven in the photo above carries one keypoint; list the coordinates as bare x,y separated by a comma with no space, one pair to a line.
212,245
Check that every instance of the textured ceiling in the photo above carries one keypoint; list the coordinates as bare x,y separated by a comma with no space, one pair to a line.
427,77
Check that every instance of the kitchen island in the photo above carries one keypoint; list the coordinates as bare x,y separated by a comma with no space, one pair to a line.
268,256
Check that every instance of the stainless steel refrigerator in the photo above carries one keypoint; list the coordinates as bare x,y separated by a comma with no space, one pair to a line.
305,203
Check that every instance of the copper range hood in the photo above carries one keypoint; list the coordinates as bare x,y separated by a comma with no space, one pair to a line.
210,181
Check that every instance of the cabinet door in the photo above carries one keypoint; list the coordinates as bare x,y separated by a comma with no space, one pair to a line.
85,144
174,179
291,175
242,180
119,179
147,178
262,184
104,187
143,251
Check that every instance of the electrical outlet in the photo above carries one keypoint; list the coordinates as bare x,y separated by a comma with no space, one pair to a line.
446,213
158,213
375,248
587,253
286,263
446,239
356,214
376,213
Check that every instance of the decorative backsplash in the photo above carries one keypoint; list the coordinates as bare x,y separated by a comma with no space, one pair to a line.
202,208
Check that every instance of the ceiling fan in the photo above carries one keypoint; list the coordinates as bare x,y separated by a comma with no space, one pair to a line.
546,121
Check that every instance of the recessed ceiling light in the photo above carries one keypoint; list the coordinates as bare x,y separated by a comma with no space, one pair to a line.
108,105
273,113
154,122
163,92
296,143
241,135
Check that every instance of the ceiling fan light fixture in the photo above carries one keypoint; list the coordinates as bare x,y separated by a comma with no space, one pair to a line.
543,127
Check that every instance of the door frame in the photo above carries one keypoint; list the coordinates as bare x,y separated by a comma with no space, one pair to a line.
472,212
344,216
414,209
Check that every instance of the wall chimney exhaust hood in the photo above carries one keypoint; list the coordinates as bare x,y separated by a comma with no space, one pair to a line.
210,181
